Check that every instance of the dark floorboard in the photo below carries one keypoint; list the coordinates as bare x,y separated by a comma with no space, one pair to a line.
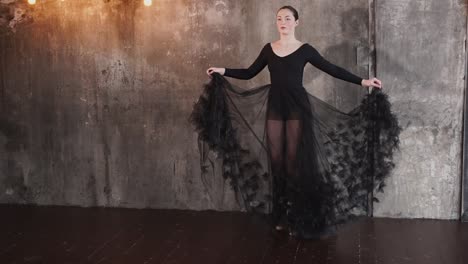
31,234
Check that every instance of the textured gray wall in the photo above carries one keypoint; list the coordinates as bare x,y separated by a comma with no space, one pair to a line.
464,195
95,95
421,59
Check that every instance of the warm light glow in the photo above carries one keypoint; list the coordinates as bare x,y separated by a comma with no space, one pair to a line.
148,2
31,2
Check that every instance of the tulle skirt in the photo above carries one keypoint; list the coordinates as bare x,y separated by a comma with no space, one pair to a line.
340,161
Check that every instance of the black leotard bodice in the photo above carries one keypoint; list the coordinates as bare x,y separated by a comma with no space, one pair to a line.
286,74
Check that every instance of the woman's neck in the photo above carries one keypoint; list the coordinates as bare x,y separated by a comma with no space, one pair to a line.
287,39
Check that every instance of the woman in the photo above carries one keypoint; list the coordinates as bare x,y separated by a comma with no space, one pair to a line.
308,194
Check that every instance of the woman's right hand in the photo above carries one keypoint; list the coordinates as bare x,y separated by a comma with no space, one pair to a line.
214,69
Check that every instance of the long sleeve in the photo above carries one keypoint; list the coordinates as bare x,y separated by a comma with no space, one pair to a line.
314,57
250,72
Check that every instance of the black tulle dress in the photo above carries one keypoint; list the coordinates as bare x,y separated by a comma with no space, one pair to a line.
290,154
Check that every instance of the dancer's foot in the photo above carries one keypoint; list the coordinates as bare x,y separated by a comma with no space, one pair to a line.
281,223
280,227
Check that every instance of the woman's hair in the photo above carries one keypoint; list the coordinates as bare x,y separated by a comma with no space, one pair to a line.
292,9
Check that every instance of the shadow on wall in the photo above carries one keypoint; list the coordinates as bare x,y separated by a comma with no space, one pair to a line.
344,53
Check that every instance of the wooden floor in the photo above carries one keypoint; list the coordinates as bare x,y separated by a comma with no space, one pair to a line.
98,235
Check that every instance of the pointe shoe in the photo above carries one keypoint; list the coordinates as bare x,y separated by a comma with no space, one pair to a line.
281,223
280,227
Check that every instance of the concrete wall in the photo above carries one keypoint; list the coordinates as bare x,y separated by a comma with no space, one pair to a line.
95,95
464,195
421,59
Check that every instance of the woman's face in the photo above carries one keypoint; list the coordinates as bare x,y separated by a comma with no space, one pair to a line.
285,21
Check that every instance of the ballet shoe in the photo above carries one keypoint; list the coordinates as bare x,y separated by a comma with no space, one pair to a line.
281,223
280,227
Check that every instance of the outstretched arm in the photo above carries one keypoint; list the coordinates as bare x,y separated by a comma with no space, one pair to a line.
250,72
314,57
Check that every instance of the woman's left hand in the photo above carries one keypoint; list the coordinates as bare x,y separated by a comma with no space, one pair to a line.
372,82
